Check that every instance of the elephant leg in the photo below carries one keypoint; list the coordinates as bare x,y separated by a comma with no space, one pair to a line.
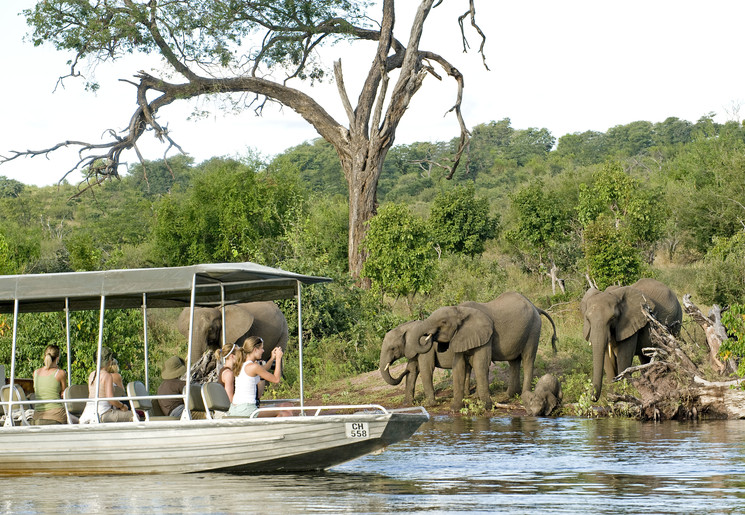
513,381
467,383
481,360
625,351
427,369
643,340
413,368
459,370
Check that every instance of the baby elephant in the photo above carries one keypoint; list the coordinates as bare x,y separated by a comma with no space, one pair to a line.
546,397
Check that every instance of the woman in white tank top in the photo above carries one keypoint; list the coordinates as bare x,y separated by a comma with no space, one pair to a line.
244,398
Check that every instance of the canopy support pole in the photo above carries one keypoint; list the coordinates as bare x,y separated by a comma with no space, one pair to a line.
98,354
67,338
144,328
9,418
300,339
187,389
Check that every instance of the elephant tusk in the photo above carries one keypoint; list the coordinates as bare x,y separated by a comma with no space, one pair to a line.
428,339
387,366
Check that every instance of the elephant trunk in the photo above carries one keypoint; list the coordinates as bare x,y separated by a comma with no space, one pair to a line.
599,347
385,365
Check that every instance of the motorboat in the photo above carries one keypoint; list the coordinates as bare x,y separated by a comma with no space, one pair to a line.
314,438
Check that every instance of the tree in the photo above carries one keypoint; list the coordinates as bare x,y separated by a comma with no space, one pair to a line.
460,222
230,213
541,223
202,43
621,217
402,259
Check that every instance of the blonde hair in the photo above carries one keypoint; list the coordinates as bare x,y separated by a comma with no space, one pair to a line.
231,349
112,367
51,353
250,343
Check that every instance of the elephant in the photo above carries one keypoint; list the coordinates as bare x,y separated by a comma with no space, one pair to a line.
394,348
263,319
617,328
506,329
545,398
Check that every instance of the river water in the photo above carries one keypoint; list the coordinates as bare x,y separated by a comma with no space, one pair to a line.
452,465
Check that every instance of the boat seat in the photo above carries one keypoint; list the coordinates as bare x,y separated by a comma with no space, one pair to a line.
136,390
20,413
75,409
215,398
196,404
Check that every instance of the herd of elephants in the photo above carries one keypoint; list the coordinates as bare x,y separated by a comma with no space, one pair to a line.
470,336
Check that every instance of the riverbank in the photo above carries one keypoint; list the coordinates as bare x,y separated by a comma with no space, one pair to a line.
370,388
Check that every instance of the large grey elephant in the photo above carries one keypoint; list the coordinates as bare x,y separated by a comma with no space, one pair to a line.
505,329
424,363
617,328
263,319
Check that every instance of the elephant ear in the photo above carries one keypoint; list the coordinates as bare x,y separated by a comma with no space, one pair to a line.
475,330
583,307
238,321
631,316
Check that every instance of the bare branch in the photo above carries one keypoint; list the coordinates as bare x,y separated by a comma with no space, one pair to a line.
343,92
472,12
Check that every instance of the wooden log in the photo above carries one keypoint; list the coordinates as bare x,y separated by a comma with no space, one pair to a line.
721,399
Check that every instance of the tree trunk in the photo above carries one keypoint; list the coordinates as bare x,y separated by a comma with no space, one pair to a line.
362,172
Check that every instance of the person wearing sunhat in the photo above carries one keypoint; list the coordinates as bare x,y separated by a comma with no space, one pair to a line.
108,411
173,369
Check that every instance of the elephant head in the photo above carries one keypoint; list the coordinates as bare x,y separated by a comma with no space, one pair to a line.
394,348
206,332
456,328
612,319
263,319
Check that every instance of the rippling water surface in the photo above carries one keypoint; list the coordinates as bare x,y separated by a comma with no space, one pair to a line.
504,465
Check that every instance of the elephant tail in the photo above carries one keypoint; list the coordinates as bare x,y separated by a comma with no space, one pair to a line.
554,338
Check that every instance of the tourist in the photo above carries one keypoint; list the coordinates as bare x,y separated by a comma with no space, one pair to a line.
246,382
108,411
231,356
49,383
173,369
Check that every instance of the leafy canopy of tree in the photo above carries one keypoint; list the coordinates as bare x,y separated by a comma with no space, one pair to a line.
220,48
460,222
402,258
230,213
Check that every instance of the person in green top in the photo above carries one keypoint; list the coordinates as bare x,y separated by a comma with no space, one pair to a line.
49,383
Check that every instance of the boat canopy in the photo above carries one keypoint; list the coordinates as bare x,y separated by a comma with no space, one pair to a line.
215,284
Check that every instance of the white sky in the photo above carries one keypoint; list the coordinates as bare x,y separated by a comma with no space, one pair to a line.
569,66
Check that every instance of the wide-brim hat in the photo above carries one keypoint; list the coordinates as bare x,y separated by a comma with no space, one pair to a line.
174,367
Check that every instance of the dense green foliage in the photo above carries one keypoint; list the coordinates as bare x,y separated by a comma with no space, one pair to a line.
402,257
611,206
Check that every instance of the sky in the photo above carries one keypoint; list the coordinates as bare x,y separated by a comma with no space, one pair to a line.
569,66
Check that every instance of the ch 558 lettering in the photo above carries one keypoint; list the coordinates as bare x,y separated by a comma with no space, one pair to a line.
358,430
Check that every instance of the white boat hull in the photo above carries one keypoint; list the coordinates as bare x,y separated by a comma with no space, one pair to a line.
301,443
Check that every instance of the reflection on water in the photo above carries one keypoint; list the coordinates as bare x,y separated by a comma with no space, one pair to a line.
508,465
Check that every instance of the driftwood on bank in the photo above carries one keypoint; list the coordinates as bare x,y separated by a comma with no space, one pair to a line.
671,386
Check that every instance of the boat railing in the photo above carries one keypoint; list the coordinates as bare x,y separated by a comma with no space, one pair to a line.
314,411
